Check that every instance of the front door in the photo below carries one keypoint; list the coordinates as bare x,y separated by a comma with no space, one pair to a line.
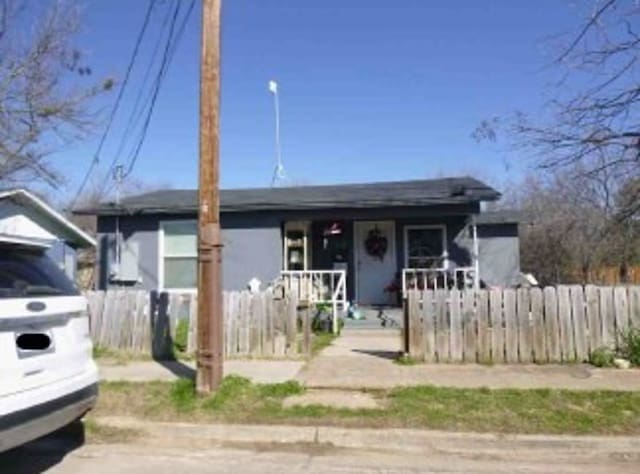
376,265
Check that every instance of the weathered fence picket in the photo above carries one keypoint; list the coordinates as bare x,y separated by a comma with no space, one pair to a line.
455,334
497,327
593,317
442,322
525,334
429,327
255,324
511,325
607,316
484,328
579,323
469,326
539,349
554,324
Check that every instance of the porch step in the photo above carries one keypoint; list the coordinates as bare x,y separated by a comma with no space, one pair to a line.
372,318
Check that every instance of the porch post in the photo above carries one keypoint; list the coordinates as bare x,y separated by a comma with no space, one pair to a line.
476,255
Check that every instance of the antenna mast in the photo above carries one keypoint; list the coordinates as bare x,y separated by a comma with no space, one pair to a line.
279,174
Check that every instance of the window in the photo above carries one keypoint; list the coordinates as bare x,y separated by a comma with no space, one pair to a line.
28,272
425,246
296,246
179,257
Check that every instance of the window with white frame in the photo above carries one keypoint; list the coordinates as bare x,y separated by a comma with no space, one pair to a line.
179,254
425,246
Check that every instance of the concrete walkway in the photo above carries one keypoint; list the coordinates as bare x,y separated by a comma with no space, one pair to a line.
259,371
365,359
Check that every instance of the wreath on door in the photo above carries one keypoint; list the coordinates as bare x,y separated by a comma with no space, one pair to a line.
376,244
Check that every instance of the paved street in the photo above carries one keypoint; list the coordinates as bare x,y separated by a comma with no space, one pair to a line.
424,452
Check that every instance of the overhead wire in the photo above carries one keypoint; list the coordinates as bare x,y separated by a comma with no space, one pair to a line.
137,110
168,55
96,157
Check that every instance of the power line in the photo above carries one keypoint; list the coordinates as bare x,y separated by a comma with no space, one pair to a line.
137,111
168,54
96,156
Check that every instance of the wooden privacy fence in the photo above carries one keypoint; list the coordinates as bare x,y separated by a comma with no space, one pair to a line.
557,324
255,324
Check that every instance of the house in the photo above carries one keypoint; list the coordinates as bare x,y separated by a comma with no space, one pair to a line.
27,219
355,240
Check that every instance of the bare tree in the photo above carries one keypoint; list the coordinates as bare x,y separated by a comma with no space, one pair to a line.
573,228
43,107
595,116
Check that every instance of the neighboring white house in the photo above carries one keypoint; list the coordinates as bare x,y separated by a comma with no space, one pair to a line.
27,219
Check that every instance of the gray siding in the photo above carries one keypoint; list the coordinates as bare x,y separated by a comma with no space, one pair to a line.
499,254
253,241
252,248
249,253
140,229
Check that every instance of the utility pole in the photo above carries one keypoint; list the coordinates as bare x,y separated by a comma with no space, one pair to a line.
210,337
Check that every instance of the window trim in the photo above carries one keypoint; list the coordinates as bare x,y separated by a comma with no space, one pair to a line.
407,228
162,256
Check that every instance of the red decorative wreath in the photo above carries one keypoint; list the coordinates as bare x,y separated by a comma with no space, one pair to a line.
376,244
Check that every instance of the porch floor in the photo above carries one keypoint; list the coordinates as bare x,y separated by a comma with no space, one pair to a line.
373,318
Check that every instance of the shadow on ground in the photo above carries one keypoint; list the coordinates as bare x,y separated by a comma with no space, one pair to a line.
177,368
44,453
389,355
162,344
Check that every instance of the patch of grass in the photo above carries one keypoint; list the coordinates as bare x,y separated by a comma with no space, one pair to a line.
405,359
183,394
602,357
483,410
281,390
116,357
320,340
181,336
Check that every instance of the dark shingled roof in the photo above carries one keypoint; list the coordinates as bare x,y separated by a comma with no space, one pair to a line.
370,195
502,216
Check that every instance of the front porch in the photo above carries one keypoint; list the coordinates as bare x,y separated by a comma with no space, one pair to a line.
373,263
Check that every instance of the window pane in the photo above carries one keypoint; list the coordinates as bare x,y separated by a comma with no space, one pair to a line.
180,238
180,272
425,247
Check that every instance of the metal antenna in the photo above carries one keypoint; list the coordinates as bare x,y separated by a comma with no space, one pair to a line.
279,174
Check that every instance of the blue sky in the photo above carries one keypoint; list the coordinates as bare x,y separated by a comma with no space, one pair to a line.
370,89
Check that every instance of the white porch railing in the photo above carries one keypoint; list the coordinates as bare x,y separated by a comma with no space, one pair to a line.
318,286
437,278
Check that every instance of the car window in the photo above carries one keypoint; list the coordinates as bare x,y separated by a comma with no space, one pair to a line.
26,272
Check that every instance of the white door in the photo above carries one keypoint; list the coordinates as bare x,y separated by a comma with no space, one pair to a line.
376,265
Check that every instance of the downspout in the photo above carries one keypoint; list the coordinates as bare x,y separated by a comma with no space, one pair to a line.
118,178
476,254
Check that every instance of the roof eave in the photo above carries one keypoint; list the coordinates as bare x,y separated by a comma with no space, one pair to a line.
81,238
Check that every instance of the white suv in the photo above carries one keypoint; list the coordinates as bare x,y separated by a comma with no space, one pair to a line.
47,374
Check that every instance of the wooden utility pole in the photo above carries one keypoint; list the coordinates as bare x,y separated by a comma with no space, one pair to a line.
210,337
